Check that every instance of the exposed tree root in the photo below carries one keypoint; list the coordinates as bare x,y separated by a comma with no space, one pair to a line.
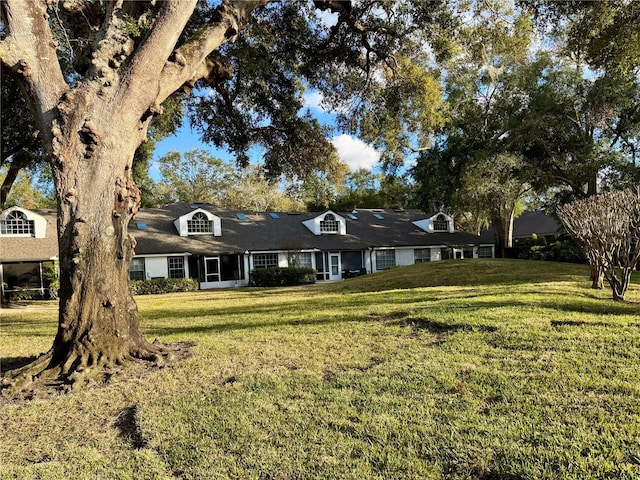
85,365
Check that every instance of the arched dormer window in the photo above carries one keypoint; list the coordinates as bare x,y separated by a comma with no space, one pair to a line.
16,223
200,223
329,224
441,224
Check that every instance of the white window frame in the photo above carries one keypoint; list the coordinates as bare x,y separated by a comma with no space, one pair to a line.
300,259
421,255
173,269
199,223
265,260
440,223
17,223
329,224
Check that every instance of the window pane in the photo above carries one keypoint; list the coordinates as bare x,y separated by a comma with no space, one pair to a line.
421,255
329,224
199,223
16,223
176,267
385,259
441,224
265,260
136,269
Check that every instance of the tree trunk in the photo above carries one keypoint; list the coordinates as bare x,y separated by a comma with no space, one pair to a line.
619,286
90,130
504,231
98,317
597,276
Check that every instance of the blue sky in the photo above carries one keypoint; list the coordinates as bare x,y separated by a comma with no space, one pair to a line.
353,151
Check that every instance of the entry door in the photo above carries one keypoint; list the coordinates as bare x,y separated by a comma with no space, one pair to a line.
212,269
334,266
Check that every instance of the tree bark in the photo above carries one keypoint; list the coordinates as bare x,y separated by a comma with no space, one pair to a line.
98,318
597,276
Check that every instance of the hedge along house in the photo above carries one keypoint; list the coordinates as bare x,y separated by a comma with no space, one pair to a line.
220,248
28,248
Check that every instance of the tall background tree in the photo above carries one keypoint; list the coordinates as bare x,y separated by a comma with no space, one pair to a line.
474,169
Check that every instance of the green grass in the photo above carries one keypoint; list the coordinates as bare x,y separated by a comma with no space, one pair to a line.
459,369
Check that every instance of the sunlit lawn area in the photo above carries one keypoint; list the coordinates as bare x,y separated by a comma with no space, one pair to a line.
462,369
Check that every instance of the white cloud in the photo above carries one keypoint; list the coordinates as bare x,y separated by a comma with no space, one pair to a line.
355,152
327,18
313,100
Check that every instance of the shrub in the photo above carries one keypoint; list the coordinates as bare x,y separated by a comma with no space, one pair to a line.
52,281
26,294
163,285
277,276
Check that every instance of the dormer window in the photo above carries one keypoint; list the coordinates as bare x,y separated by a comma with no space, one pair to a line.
199,223
16,223
441,224
329,224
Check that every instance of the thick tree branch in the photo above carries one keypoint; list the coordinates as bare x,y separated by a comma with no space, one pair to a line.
29,53
149,58
12,174
191,60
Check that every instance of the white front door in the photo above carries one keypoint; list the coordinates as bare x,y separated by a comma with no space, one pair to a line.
334,266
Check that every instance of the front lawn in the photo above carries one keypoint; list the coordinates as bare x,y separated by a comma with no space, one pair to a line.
488,369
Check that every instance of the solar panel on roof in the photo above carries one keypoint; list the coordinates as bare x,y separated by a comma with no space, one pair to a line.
378,216
195,206
274,215
141,226
241,216
352,216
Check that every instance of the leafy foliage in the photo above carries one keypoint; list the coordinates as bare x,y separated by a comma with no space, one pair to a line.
156,286
282,276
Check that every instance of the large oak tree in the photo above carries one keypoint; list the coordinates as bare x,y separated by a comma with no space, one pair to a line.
95,74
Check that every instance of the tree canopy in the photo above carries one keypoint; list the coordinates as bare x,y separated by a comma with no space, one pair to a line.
466,90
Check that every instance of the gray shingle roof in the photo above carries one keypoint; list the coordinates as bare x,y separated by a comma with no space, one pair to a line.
259,231
30,249
536,222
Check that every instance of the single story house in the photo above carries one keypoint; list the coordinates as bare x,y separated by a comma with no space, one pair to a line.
220,248
28,247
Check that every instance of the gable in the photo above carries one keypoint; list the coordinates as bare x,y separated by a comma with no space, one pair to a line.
327,223
20,222
198,222
439,222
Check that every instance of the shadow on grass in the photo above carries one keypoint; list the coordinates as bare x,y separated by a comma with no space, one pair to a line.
227,327
128,429
13,363
435,326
